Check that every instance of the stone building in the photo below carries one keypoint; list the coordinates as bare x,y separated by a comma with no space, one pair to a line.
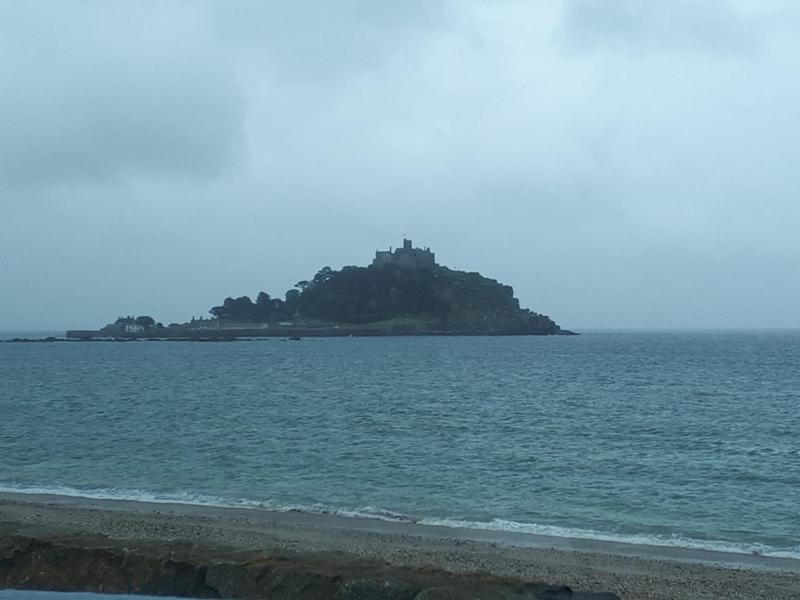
407,257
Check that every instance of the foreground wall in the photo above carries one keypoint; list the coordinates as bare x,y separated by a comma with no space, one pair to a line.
98,565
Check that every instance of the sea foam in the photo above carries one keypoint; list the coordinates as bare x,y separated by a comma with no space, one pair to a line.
371,512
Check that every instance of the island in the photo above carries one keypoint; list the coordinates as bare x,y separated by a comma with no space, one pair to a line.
404,291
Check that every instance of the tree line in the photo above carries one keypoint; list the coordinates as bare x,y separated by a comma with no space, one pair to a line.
376,293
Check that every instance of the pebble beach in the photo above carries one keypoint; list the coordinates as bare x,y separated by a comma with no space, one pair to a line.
631,572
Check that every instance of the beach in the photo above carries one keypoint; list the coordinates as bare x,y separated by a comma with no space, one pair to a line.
231,534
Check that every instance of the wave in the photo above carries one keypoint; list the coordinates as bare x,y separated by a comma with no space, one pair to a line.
370,512
639,539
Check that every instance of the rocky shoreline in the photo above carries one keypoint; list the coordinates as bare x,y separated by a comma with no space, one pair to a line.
74,544
80,563
178,334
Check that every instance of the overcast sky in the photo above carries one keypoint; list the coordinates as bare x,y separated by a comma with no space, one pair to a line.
620,163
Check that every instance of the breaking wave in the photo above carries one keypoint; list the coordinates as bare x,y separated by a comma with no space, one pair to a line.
370,512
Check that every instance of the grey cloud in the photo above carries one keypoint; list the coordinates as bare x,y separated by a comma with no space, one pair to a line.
95,91
630,25
317,41
637,172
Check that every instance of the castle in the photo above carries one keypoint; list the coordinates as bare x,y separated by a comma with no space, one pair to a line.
407,256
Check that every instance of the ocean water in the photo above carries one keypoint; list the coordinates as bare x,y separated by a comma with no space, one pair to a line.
682,439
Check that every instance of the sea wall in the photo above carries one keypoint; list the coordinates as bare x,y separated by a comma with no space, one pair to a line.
100,565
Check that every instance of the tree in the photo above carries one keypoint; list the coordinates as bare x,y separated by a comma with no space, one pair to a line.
454,300
265,307
146,321
236,309
263,298
324,274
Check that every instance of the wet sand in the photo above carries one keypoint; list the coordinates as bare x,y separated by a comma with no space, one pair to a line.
631,571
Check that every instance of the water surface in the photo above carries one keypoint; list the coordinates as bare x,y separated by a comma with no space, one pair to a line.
689,439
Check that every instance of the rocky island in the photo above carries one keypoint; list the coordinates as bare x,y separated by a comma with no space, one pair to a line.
403,292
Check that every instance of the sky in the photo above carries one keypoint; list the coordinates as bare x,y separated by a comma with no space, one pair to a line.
621,164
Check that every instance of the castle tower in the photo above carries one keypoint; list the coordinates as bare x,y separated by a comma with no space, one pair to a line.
406,257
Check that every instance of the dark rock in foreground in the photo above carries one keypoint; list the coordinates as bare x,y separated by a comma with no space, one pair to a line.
94,565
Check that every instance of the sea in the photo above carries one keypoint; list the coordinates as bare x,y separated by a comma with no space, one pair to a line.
685,439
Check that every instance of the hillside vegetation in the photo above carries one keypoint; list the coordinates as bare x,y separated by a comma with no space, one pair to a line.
415,299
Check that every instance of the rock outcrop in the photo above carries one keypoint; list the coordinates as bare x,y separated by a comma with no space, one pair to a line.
101,565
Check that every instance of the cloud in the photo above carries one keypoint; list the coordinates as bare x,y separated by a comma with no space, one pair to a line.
608,162
675,25
94,91
316,42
